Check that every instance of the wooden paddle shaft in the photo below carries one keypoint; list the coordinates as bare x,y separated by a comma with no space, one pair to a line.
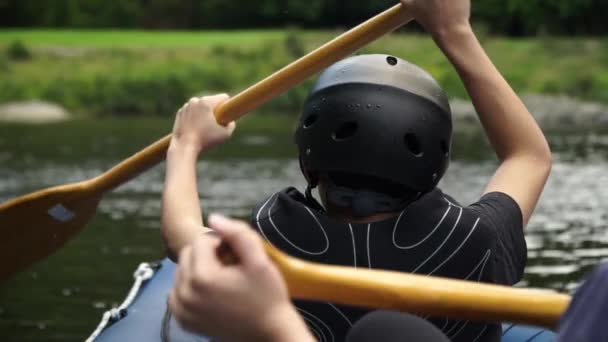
457,299
268,88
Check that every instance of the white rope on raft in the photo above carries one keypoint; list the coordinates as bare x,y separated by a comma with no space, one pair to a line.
143,273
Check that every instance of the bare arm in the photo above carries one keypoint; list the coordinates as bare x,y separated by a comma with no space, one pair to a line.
523,152
521,147
195,132
181,213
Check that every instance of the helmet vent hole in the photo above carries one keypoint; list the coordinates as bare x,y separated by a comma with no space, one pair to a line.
310,120
345,131
444,148
413,144
391,60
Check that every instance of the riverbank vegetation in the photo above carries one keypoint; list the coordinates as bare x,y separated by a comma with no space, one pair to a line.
122,73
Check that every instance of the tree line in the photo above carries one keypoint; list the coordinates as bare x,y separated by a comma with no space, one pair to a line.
506,17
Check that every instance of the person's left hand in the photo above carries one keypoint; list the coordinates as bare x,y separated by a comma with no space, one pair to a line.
243,301
196,126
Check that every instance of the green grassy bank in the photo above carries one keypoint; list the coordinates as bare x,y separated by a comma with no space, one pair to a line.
152,73
135,39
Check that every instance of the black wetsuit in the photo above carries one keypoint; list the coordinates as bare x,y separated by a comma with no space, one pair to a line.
434,235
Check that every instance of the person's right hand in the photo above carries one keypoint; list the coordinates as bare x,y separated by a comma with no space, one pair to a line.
196,127
245,301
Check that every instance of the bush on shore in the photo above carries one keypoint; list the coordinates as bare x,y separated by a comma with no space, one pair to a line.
17,51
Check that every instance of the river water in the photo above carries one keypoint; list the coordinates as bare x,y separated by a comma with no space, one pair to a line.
63,297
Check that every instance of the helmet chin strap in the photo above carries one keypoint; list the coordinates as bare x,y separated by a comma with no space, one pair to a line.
311,200
308,192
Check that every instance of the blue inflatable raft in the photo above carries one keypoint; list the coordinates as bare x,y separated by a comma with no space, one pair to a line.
143,315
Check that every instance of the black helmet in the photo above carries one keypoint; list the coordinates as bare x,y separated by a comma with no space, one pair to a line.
377,116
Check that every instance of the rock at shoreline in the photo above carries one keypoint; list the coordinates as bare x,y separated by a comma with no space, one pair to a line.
551,112
33,112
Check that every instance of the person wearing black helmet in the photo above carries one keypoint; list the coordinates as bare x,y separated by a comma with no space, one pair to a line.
374,138
375,133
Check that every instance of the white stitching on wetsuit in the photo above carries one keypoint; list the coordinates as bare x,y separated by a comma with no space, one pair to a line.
458,331
291,243
481,333
331,334
425,238
257,216
483,262
451,203
458,248
314,328
352,234
341,314
369,259
442,244
447,321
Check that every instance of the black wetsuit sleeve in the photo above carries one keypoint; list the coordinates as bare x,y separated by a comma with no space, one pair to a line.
502,214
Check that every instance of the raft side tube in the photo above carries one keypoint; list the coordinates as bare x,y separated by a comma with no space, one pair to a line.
147,319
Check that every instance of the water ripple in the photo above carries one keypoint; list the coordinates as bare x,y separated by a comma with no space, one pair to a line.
567,232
